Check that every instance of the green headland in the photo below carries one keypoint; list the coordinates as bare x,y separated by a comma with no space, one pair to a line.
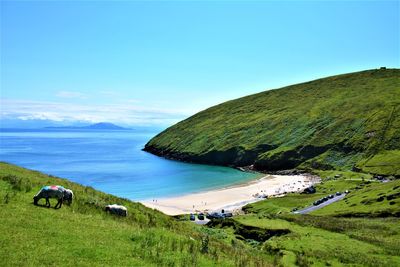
344,122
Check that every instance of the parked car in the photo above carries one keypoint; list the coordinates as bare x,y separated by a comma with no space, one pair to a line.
192,217
331,196
309,190
200,216
338,193
215,215
228,214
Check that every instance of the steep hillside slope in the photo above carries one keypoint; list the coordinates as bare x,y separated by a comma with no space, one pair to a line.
345,121
83,234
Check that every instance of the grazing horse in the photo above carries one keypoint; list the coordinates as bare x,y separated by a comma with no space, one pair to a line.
54,191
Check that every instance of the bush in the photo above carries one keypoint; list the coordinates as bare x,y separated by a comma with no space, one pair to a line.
204,244
18,183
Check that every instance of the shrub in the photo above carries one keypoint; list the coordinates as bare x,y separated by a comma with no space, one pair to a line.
204,244
18,183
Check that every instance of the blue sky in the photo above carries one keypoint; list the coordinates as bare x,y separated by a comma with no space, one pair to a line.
154,63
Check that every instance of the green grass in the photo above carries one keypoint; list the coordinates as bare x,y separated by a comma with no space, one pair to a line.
282,204
329,185
366,198
345,175
386,162
374,199
363,229
84,235
383,232
358,242
332,123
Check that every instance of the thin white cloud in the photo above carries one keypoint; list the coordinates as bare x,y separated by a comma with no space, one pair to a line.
125,113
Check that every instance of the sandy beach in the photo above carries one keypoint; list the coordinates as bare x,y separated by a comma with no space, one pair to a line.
232,198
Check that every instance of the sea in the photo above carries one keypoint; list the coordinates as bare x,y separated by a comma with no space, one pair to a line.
112,161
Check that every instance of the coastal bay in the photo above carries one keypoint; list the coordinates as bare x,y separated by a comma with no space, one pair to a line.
113,162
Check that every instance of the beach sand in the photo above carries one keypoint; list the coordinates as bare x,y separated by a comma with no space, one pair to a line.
232,198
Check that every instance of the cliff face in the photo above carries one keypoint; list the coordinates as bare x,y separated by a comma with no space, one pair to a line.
344,122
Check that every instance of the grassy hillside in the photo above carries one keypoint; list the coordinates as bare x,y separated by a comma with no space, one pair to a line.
340,122
367,198
84,235
363,229
327,241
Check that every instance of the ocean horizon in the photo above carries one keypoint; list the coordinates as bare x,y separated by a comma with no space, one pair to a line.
112,161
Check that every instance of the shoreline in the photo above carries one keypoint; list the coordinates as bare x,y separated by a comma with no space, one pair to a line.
232,198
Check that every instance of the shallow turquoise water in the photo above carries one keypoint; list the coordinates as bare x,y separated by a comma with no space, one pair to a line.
111,161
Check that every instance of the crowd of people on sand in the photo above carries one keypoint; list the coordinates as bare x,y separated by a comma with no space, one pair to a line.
203,204
281,191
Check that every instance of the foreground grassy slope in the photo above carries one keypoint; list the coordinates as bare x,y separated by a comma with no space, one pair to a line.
339,122
84,235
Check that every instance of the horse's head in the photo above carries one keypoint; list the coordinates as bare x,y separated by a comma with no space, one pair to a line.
68,196
35,199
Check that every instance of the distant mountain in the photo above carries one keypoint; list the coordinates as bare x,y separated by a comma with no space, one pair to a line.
105,126
349,121
96,126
